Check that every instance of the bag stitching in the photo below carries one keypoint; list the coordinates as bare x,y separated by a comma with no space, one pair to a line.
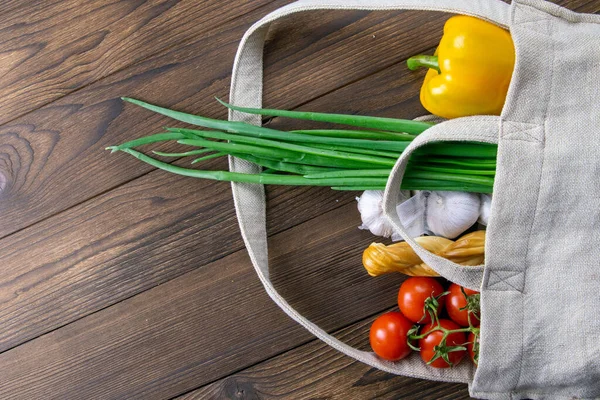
506,275
514,130
552,50
504,280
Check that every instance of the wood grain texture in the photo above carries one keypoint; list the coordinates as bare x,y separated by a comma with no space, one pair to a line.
59,145
108,259
68,137
155,228
375,42
136,282
205,324
49,49
126,241
305,59
317,371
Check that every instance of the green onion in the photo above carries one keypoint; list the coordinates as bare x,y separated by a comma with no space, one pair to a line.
467,163
339,158
184,154
160,137
350,134
283,166
351,172
209,157
478,180
385,124
380,153
266,179
297,137
291,146
459,171
358,188
459,149
318,158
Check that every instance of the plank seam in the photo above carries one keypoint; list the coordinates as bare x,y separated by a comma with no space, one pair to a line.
159,53
304,343
266,122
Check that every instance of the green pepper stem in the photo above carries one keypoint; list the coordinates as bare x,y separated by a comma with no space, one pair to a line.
423,61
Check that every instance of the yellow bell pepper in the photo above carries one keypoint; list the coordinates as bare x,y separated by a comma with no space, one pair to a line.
470,71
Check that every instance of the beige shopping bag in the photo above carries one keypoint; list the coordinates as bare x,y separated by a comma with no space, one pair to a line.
540,286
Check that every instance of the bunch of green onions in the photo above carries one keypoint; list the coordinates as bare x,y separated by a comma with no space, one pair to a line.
339,158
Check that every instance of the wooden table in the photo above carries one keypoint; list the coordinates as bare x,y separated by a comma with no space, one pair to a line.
119,281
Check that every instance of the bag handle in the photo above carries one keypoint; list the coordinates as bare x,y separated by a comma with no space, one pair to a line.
477,129
249,199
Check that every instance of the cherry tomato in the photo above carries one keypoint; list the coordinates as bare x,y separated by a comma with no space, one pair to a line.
389,335
429,343
460,309
473,350
414,293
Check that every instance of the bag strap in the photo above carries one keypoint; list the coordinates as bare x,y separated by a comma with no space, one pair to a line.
249,199
477,129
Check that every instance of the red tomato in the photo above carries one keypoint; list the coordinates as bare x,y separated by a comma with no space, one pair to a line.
430,342
460,309
389,335
414,293
473,350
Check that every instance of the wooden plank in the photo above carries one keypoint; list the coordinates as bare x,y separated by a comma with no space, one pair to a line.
166,226
9,5
110,259
42,154
126,241
117,258
54,158
316,370
387,39
50,49
207,323
50,294
53,144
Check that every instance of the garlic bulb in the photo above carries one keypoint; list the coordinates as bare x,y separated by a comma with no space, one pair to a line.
446,214
484,210
449,214
411,212
371,213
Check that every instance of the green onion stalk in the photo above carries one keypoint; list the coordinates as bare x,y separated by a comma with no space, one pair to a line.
342,159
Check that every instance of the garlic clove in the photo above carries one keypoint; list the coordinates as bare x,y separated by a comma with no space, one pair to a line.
449,214
484,210
439,213
371,213
411,212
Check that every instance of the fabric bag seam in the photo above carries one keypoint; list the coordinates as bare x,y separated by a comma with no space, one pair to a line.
539,189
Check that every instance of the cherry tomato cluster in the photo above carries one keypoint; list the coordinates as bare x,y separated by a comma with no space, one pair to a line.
442,338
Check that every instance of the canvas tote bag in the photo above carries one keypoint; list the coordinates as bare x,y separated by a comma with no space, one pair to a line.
540,287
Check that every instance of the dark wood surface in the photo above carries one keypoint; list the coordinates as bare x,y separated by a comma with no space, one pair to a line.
118,281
